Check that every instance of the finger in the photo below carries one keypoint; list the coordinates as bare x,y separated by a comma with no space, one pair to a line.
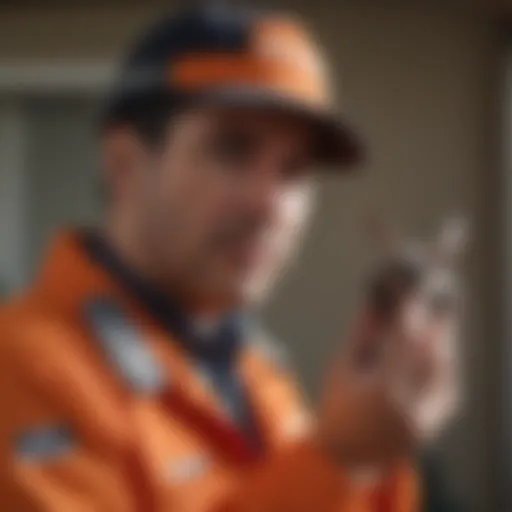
407,328
434,358
365,343
440,342
403,363
441,394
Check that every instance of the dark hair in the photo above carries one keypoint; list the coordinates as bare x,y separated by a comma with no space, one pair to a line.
148,115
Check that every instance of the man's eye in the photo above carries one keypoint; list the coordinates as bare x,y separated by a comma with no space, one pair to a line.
233,148
297,169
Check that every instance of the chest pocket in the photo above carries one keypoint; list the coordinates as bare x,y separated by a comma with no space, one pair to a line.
180,466
53,470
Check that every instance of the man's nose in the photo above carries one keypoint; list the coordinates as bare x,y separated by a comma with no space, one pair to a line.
262,195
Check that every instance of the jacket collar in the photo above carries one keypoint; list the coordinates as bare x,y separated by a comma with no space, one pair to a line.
70,280
81,266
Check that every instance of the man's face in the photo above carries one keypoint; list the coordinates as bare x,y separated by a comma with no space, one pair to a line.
222,204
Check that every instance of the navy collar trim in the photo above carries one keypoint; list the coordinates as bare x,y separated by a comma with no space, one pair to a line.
219,347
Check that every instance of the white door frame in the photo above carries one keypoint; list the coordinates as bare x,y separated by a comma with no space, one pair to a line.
22,77
19,80
506,298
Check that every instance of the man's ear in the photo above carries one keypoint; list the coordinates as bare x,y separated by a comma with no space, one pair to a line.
122,156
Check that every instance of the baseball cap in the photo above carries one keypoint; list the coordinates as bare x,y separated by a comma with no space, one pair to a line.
237,57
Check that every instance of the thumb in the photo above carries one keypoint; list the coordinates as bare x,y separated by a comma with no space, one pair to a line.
365,341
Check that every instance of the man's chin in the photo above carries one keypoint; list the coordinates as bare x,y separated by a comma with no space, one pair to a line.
236,293
254,291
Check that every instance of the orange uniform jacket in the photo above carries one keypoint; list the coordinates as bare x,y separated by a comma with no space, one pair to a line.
101,411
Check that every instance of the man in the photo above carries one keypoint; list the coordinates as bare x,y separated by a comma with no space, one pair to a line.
132,376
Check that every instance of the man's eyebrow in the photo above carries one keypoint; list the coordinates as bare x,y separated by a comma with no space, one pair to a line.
245,132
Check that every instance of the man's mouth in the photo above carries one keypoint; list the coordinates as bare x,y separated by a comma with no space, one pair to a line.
245,253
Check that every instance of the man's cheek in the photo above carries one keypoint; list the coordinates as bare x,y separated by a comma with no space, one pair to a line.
444,330
280,248
292,223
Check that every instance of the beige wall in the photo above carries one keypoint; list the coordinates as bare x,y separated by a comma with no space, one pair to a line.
421,83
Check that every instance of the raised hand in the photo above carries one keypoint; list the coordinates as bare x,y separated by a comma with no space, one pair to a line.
396,383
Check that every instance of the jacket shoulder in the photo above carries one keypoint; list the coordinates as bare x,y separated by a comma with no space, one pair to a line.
28,334
19,327
50,370
268,347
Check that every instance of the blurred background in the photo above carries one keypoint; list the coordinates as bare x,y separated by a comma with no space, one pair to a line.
427,83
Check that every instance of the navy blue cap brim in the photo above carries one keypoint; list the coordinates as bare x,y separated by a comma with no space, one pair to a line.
337,146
